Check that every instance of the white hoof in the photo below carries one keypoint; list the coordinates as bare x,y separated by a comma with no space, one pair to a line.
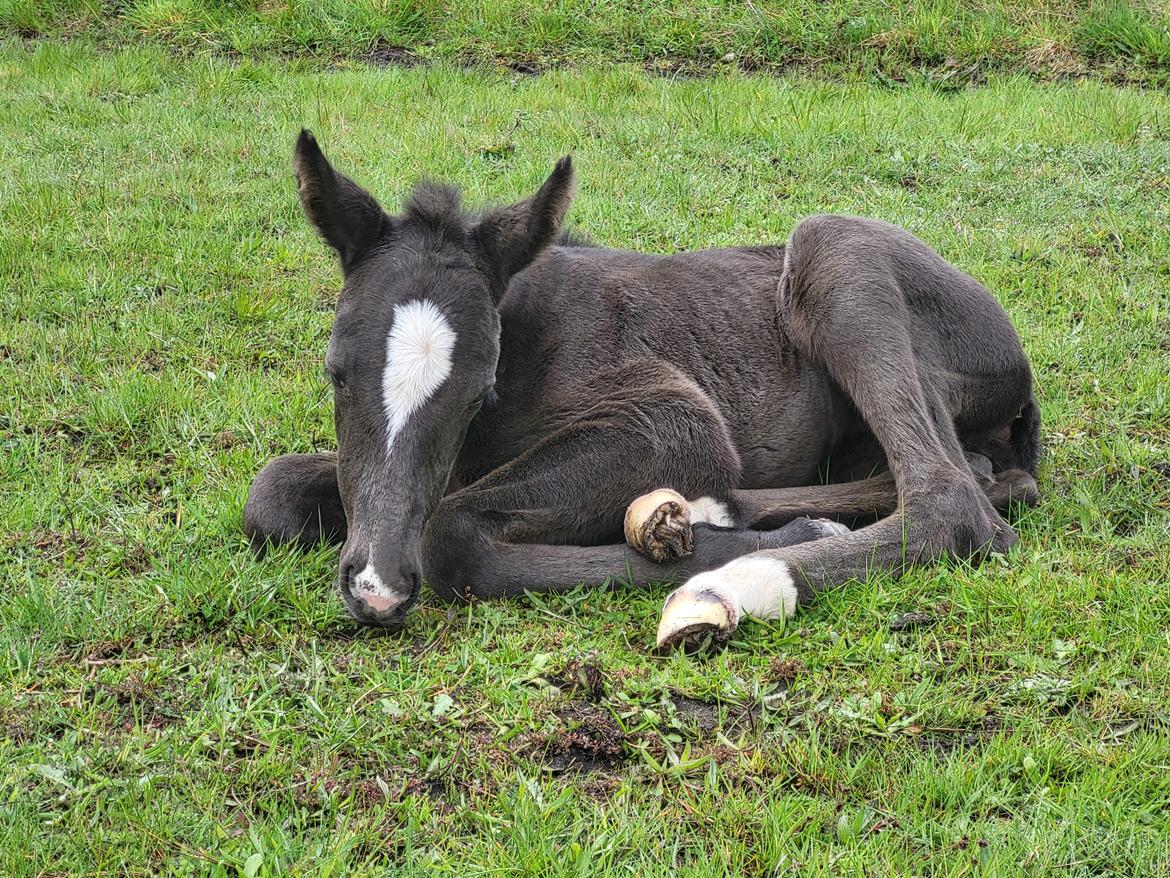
691,615
711,604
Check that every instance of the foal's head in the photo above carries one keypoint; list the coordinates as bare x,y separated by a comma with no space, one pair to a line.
412,355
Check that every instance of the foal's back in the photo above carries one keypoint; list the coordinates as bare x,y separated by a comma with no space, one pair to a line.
715,315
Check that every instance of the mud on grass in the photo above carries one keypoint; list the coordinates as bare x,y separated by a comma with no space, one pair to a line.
587,738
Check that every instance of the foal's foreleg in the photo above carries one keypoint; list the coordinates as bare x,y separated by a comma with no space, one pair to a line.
770,584
658,524
295,499
552,518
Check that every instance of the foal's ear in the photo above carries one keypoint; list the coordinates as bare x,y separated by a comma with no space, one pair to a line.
513,236
346,215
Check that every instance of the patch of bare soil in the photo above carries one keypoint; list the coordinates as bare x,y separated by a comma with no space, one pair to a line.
137,560
383,54
588,739
525,68
785,671
12,729
912,621
702,717
372,787
581,676
136,699
50,545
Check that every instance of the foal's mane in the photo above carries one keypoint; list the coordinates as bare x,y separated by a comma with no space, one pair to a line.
438,207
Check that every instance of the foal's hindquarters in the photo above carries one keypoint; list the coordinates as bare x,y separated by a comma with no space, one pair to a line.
928,359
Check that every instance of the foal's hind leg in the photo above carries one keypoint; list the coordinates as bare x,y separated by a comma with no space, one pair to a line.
907,337
900,330
295,499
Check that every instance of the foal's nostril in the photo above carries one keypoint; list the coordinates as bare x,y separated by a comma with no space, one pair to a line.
410,576
346,578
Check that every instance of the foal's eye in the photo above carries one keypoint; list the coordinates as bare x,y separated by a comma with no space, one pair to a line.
337,381
477,403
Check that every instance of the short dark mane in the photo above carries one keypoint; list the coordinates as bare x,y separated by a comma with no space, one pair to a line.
574,238
438,207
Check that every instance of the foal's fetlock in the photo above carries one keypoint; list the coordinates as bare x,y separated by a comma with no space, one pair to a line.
1012,487
658,525
981,468
957,519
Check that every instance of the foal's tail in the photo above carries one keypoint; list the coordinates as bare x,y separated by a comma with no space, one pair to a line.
1025,440
1015,447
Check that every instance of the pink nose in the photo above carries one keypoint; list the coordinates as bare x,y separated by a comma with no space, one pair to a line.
374,601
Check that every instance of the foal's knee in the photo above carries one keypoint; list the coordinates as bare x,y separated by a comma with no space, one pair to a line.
455,546
839,283
295,499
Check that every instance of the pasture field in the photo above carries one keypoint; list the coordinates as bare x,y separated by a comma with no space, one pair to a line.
171,705
953,42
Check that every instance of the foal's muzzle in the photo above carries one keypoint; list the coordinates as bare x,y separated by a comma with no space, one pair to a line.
378,596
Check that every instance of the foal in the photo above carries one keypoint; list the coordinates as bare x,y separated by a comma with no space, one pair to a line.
508,402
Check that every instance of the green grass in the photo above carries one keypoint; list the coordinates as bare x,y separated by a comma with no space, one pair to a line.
170,705
948,40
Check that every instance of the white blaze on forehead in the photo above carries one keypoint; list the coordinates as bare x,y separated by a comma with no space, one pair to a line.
418,361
